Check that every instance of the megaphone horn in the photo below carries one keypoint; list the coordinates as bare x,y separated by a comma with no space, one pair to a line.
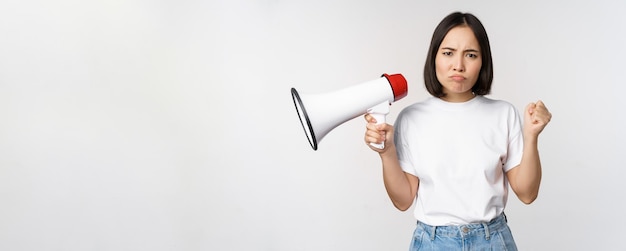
320,113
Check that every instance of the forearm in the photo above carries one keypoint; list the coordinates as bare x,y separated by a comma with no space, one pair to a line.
397,184
528,175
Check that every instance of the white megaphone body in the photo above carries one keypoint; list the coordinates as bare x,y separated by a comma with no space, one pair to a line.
320,113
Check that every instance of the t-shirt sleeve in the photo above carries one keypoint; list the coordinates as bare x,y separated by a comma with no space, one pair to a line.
516,140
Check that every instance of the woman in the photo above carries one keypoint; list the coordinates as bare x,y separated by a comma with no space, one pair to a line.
453,155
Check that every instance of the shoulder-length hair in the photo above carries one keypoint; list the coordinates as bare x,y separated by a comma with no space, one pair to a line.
485,77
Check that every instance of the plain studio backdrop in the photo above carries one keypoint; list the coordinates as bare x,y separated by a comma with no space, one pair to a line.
169,125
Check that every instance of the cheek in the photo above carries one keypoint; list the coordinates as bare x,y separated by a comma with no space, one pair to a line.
475,69
440,71
439,66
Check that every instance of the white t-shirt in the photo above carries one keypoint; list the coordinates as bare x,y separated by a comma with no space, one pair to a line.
460,153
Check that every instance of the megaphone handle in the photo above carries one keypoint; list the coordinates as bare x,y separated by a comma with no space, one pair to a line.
379,112
380,119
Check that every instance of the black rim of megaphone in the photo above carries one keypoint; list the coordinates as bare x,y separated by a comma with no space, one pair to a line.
296,98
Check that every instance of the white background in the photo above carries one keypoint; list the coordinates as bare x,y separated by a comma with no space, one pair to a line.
168,125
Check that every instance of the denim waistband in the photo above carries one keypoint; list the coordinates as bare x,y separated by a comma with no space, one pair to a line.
484,228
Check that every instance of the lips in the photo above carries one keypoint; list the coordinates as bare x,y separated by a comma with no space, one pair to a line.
457,78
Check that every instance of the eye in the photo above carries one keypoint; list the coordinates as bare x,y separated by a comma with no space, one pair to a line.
447,53
471,55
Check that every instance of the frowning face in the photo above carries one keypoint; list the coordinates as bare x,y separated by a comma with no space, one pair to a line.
458,64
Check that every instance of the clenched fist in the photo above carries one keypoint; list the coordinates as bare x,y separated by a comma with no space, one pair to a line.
536,117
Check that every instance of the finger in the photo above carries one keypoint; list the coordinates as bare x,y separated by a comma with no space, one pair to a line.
369,118
541,114
538,120
541,108
540,104
370,136
543,117
373,137
544,110
374,127
369,140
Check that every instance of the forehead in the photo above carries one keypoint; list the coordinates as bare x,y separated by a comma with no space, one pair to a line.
460,37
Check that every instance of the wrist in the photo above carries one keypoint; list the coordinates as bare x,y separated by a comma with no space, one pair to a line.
531,139
389,152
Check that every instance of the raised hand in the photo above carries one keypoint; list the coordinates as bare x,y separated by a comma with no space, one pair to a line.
536,117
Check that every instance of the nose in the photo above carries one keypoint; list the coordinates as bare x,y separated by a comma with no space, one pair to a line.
458,65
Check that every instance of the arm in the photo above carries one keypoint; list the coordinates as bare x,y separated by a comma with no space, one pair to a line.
525,178
401,187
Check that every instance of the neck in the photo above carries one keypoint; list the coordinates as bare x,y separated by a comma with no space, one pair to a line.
458,97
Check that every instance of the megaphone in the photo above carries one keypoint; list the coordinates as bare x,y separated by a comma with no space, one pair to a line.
320,113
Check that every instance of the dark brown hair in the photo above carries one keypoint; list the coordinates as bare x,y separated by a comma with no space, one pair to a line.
485,77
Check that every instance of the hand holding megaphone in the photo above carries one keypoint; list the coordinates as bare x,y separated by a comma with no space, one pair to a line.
320,113
377,131
379,113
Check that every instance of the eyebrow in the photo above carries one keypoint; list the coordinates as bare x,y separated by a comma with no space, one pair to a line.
452,49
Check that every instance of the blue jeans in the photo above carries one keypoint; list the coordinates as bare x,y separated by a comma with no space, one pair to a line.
493,235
